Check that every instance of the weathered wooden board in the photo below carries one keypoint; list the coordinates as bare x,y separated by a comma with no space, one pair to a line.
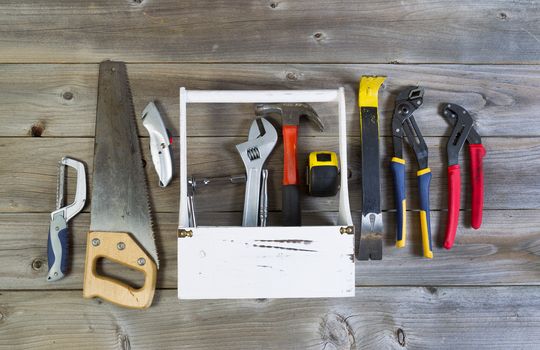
270,31
28,184
505,251
60,100
377,318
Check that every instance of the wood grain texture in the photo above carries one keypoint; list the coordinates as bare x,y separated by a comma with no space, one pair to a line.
61,99
271,31
28,184
48,100
377,318
505,251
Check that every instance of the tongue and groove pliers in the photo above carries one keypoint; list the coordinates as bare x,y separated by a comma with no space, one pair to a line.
462,131
404,126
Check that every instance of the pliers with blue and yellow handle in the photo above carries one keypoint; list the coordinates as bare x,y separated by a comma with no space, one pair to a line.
404,126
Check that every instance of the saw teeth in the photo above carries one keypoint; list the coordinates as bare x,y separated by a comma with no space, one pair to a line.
59,185
133,122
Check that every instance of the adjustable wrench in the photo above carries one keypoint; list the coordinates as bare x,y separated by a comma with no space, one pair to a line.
261,141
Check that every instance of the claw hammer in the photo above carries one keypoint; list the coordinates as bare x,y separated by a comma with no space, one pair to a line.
290,114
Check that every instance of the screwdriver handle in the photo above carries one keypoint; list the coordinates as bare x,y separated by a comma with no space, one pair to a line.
424,180
454,193
397,165
477,153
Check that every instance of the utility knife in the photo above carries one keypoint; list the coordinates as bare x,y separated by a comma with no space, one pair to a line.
160,143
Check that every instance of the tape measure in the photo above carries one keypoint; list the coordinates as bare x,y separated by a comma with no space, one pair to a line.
322,174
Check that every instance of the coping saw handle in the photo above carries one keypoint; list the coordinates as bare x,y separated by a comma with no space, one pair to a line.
397,165
424,180
477,153
120,248
454,193
290,198
57,248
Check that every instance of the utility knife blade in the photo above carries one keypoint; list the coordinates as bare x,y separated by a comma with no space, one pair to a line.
160,143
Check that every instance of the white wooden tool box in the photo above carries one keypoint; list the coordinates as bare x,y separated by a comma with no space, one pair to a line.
217,262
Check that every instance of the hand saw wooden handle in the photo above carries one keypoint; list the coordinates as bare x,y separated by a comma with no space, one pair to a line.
120,248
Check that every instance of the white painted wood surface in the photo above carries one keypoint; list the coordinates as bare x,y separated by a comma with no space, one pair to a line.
266,262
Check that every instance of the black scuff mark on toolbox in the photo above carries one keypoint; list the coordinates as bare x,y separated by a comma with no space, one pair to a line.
303,241
284,248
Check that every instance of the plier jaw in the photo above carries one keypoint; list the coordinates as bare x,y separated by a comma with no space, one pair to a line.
463,131
404,127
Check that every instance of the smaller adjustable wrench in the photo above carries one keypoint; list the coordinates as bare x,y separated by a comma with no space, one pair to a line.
195,183
263,206
261,141
57,243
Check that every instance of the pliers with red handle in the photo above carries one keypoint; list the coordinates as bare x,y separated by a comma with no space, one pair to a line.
462,131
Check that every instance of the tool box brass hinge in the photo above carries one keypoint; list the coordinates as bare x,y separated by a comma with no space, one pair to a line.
185,233
347,230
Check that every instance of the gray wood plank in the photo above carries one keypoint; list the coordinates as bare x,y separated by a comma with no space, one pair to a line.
271,31
503,252
60,100
377,318
28,184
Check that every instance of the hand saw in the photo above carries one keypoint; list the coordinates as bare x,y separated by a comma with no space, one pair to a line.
120,222
369,244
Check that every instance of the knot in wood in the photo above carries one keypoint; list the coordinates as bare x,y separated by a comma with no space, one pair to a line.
400,334
292,76
68,95
37,130
318,36
334,329
37,264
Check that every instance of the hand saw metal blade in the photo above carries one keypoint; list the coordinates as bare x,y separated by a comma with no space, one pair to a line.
119,197
60,183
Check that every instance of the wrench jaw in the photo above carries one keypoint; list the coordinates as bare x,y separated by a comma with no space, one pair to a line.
254,153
